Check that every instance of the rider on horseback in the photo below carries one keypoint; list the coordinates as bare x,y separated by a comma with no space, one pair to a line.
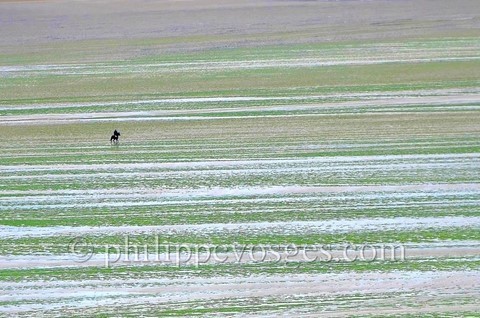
114,137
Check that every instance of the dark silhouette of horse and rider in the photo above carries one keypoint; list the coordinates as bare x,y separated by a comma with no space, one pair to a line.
114,138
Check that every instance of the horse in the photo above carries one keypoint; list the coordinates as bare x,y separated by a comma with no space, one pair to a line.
114,138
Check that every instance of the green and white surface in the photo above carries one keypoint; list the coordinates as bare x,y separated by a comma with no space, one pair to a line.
303,125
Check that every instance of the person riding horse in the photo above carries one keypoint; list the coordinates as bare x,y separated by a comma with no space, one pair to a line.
114,137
